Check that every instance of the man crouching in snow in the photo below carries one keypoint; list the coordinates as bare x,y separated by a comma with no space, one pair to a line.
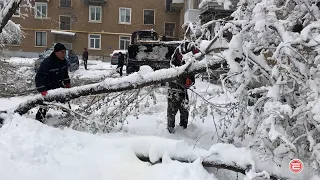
52,74
177,94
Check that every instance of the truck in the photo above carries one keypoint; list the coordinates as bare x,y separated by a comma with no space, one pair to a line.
146,48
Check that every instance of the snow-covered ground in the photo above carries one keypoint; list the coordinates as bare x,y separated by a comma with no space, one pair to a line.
96,70
31,150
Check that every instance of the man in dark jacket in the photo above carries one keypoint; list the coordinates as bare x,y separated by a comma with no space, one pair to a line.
85,56
52,74
178,98
120,63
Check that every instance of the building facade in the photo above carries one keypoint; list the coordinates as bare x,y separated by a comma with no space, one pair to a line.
101,26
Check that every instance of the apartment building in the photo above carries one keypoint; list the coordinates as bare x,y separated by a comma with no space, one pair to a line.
101,26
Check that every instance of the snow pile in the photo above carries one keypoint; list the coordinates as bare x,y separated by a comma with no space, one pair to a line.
40,151
21,61
158,53
30,150
219,44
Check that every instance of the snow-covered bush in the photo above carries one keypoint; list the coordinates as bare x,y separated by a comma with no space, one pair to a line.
273,58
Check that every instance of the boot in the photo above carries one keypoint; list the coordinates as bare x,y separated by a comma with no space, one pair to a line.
171,130
183,125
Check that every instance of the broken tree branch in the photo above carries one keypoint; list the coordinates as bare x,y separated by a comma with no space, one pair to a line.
208,163
9,13
133,81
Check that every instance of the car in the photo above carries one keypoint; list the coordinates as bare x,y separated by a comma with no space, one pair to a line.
115,55
71,57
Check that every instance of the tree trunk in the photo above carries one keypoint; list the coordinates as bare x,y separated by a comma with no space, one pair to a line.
213,164
9,14
133,81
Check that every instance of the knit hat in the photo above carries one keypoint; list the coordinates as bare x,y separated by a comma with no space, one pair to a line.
59,47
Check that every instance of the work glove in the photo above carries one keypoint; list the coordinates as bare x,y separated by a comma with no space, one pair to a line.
188,83
44,93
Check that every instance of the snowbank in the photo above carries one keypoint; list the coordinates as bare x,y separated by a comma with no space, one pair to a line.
21,61
31,150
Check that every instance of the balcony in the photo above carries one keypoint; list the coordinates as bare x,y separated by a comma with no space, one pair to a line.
211,6
177,4
191,15
95,2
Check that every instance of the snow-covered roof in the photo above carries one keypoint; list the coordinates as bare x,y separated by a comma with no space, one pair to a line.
224,4
177,1
63,33
119,50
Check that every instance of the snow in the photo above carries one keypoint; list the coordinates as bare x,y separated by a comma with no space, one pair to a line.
63,33
39,151
219,44
178,1
21,61
226,3
158,53
49,153
7,7
54,153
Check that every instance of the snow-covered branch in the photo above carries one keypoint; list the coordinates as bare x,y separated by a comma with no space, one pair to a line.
7,12
221,156
134,81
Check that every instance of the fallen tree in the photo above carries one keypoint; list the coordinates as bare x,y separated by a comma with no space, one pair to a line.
133,81
214,164
221,156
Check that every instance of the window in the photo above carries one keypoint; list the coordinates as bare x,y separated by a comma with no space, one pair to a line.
16,39
95,13
124,42
41,38
169,29
17,13
94,41
65,22
148,17
65,3
41,10
125,15
168,5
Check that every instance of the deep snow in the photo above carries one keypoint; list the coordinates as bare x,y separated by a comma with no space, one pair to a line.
31,150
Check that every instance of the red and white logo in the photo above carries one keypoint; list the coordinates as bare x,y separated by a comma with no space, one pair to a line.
296,166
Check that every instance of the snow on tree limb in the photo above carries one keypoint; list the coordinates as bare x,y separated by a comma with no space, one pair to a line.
7,12
221,156
133,81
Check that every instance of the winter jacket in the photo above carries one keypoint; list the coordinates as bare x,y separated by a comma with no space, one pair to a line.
52,74
179,85
85,55
121,60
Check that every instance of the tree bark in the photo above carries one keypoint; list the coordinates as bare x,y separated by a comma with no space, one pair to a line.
156,77
213,164
10,13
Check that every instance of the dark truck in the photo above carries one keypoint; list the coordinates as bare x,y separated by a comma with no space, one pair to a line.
147,49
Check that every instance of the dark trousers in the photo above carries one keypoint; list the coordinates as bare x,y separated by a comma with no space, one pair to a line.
178,102
85,62
119,68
